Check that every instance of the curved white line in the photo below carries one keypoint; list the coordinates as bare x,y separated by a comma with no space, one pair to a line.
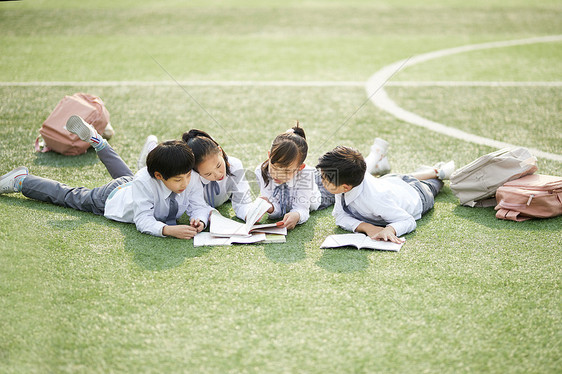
379,97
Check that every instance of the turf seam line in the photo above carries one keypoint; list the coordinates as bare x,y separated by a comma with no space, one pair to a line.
380,98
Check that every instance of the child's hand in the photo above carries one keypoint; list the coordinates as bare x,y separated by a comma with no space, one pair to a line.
197,224
388,234
180,231
270,210
290,220
368,229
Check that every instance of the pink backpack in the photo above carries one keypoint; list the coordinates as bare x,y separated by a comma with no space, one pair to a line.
56,138
533,196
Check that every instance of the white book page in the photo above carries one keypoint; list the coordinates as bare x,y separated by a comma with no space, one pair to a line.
222,226
254,238
381,245
342,240
206,239
258,208
359,241
270,229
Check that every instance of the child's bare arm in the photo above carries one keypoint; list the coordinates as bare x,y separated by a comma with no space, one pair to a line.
368,229
180,231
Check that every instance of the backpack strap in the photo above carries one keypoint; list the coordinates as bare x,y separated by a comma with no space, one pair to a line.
40,145
510,215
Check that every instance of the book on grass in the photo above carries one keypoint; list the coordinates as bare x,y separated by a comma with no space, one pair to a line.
225,227
359,241
207,239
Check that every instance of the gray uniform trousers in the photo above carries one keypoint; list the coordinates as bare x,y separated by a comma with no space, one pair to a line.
427,189
80,198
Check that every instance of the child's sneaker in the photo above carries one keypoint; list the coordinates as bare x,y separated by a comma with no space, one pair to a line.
377,162
108,132
150,143
11,182
85,131
444,169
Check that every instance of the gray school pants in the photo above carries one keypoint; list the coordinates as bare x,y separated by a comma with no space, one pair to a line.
427,189
80,198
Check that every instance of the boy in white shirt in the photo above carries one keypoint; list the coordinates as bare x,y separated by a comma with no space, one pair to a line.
153,199
383,208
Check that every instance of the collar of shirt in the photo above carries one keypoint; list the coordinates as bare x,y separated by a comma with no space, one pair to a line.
353,194
164,190
143,175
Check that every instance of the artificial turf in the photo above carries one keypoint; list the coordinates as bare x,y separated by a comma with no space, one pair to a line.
467,292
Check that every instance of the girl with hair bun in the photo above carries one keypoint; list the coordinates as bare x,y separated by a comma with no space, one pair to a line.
292,188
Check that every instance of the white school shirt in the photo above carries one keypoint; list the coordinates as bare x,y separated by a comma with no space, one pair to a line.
304,193
144,202
234,187
388,199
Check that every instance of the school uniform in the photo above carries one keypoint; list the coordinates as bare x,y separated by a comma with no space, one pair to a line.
233,187
393,200
301,194
146,202
138,199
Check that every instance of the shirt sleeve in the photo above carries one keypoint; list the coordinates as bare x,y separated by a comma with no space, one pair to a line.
402,221
304,191
268,193
241,195
343,219
197,208
143,197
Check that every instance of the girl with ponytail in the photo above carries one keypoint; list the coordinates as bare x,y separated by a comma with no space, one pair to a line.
292,188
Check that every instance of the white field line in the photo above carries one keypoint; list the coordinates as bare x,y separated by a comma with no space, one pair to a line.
278,84
379,97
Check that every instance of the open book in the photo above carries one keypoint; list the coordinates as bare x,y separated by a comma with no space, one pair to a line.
225,227
206,239
359,241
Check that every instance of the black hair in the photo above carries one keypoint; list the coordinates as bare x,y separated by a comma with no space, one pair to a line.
170,158
286,148
202,146
342,165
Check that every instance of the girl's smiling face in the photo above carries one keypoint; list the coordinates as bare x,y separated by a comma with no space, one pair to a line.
213,167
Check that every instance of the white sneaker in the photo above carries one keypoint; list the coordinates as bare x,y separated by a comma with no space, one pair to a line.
108,132
84,130
150,143
11,182
377,162
444,169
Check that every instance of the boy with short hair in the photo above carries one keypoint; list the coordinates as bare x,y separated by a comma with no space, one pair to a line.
153,199
383,208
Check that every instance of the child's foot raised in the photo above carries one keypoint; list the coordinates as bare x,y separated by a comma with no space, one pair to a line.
377,162
11,182
444,169
150,143
85,131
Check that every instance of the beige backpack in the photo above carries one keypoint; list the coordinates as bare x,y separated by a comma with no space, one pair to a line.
479,180
57,138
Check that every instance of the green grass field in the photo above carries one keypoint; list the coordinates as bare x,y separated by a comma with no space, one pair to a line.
467,293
